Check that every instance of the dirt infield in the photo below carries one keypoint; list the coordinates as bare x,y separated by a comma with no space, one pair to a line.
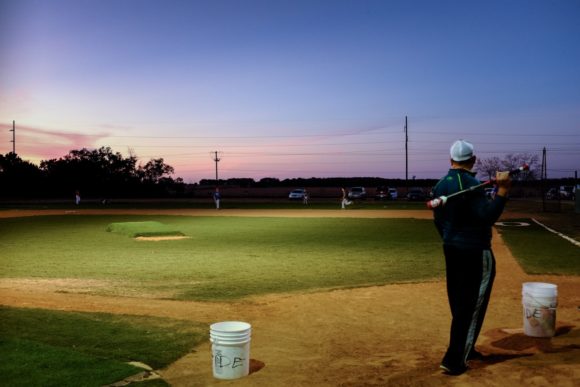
392,335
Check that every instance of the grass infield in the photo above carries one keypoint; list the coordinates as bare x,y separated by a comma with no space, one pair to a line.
225,258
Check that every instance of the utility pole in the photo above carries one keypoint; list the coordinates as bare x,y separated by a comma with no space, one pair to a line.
544,178
544,172
576,197
216,159
406,157
13,130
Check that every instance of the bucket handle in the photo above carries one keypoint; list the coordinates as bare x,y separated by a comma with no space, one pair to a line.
537,302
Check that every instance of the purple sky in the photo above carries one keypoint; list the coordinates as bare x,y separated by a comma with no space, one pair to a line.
292,88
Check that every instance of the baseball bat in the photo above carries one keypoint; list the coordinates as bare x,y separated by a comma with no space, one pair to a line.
441,200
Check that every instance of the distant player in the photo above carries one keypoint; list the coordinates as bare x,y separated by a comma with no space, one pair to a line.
216,198
345,202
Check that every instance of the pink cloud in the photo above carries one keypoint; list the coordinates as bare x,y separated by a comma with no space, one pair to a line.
36,144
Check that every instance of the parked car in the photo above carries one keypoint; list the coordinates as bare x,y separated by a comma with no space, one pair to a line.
416,194
357,193
297,194
552,194
567,192
386,193
564,192
382,193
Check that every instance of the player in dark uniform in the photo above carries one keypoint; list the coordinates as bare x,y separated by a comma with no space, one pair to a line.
464,224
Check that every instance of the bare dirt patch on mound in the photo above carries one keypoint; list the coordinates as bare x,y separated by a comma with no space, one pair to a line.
161,238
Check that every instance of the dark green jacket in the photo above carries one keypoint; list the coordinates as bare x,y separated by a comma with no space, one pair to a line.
465,221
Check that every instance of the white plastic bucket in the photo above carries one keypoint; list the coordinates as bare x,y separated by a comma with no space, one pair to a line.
230,350
539,301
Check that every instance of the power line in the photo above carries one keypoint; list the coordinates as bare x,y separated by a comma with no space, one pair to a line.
359,132
502,134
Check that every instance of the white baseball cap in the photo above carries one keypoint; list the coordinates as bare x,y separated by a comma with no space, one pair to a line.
461,150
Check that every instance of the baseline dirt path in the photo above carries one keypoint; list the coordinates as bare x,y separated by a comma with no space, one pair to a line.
391,335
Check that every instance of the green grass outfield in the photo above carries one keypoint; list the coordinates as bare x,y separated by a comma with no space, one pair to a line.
225,257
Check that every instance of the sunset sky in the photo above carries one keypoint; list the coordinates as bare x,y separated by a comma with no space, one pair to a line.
292,88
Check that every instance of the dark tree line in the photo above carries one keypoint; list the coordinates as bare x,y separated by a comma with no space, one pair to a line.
99,173
485,167
104,174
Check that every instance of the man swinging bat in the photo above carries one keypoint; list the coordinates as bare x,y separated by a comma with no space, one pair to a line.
464,223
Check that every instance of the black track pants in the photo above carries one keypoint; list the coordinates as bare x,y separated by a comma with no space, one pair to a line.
470,275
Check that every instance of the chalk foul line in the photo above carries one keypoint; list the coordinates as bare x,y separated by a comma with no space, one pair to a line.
571,240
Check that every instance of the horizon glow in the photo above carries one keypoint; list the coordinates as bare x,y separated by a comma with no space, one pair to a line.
292,89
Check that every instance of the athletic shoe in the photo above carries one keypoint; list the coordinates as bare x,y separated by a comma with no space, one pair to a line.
454,371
